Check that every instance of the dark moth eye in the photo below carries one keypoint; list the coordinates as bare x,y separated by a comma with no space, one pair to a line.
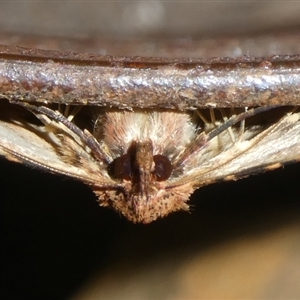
163,167
121,167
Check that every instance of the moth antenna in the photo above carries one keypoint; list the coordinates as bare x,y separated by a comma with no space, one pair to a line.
87,138
229,129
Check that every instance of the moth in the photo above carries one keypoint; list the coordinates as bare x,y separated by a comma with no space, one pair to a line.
145,158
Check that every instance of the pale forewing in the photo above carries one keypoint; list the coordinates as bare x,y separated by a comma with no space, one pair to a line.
270,149
39,147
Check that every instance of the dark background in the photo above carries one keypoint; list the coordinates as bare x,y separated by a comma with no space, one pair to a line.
241,240
55,237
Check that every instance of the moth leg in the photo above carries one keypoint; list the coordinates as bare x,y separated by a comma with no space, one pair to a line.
210,124
238,118
212,116
242,128
229,129
202,117
66,111
203,138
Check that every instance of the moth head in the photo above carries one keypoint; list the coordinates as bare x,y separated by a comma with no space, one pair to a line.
144,194
143,147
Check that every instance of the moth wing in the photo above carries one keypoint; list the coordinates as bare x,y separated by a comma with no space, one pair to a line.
38,147
270,149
